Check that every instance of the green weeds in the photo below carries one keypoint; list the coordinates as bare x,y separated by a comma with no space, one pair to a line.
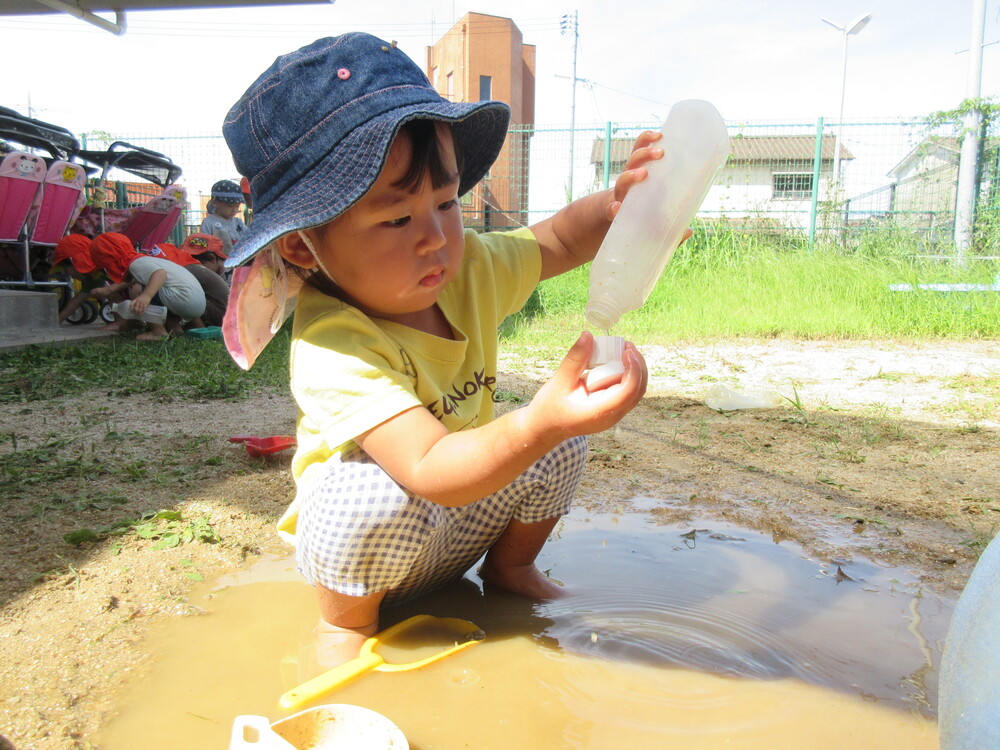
165,529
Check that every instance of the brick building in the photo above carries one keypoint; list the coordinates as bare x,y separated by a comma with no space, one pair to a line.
484,57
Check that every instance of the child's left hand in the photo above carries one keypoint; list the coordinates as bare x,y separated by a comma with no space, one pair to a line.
563,406
643,152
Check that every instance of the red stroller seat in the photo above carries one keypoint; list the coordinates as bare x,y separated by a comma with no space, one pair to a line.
62,200
21,176
153,222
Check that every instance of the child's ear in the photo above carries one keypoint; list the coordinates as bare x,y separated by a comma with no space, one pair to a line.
295,251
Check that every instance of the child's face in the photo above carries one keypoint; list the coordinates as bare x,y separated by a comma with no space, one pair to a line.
226,210
394,251
213,263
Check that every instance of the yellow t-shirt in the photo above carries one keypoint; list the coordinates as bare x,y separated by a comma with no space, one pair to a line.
350,373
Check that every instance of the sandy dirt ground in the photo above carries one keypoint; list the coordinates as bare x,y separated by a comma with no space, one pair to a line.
881,450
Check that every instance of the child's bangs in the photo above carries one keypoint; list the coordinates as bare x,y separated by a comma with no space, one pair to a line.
426,158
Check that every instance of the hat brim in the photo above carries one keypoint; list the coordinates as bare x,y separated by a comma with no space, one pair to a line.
83,263
351,167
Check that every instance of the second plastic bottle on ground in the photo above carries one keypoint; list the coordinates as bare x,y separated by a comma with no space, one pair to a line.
152,313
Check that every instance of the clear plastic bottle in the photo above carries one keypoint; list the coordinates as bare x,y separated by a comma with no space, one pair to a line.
152,313
656,212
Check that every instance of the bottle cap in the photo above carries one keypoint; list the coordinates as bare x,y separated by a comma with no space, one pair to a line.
607,349
606,367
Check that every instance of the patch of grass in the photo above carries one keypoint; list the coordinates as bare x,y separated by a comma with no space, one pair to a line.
83,499
23,468
980,537
973,410
180,368
507,397
892,377
878,425
801,416
723,285
988,385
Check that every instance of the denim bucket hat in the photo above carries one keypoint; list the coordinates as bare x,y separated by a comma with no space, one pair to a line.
313,131
312,135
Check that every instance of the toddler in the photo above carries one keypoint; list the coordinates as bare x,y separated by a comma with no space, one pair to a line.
72,253
404,478
222,219
149,280
202,256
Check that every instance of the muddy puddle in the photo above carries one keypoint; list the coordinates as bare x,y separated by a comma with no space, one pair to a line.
705,635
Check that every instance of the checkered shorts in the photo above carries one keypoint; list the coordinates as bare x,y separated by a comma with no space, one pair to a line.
359,532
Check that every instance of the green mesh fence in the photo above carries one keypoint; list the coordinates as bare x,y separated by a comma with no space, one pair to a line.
897,178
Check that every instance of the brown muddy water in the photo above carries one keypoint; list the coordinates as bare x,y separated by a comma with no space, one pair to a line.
705,635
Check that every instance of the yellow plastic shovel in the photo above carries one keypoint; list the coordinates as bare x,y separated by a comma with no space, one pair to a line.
415,634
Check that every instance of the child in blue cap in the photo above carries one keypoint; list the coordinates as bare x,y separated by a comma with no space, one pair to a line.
223,218
404,478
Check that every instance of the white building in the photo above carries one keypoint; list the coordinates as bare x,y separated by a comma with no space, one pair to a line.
767,182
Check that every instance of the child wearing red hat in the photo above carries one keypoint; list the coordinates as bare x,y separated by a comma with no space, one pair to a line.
72,256
151,280
206,255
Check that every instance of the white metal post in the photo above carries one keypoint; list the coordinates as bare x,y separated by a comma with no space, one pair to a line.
968,164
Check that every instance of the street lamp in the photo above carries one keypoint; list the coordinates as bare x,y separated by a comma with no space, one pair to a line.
854,27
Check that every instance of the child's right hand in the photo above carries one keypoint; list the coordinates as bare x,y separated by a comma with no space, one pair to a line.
140,303
564,406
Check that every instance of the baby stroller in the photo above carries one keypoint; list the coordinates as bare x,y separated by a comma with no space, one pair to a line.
39,198
146,223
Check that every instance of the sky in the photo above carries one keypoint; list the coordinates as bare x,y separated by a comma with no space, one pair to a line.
753,59
178,72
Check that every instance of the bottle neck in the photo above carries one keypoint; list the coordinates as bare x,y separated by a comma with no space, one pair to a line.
603,311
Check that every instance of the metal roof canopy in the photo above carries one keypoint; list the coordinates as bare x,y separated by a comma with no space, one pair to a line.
86,10
142,162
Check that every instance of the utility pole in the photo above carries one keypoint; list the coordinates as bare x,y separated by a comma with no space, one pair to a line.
568,25
968,164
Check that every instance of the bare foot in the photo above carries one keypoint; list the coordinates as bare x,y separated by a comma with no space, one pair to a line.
336,645
151,337
525,580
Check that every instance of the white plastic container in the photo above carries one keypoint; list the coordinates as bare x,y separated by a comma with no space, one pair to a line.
656,212
152,313
721,398
334,726
606,366
969,688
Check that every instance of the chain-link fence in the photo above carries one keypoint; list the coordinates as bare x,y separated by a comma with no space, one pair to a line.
897,178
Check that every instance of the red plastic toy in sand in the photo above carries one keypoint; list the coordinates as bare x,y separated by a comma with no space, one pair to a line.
265,446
